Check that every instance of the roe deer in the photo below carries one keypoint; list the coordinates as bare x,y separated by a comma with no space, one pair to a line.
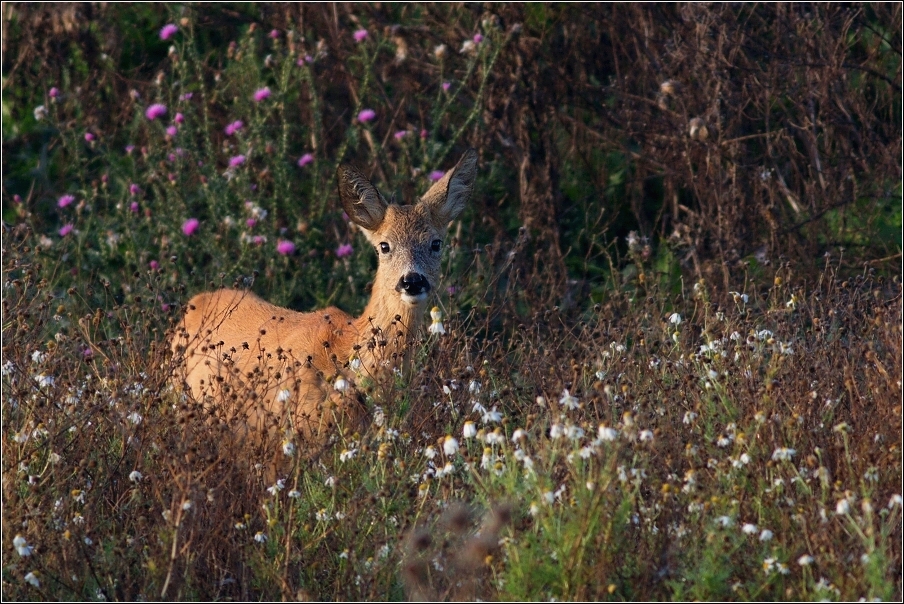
268,369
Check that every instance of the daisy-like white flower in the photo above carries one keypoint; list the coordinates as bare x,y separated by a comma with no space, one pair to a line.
842,507
288,448
135,476
605,433
32,579
450,445
783,454
469,430
492,416
436,326
22,546
568,401
260,537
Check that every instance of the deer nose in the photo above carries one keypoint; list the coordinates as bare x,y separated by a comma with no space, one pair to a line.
413,284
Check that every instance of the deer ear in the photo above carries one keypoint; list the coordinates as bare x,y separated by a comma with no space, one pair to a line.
360,199
448,196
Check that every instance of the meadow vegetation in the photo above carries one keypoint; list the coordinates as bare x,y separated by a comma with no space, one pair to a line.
670,361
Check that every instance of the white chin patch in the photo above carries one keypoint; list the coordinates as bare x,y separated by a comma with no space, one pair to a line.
414,299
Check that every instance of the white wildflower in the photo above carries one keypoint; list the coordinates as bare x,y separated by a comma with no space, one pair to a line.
288,448
450,445
492,416
22,546
32,579
842,507
605,433
469,430
749,529
283,396
135,476
44,381
783,454
568,401
766,535
675,319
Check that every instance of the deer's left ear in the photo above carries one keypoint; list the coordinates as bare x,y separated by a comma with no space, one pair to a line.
449,195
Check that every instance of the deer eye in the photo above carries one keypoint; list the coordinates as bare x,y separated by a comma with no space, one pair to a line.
384,247
436,245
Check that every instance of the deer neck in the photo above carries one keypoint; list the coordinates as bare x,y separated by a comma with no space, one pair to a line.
396,323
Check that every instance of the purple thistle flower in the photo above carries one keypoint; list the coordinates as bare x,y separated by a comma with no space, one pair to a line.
190,226
129,149
66,229
134,189
423,133
258,240
172,130
154,111
360,35
250,222
234,127
308,59
345,250
400,134
261,93
171,157
154,265
274,33
17,198
436,175
366,115
285,247
168,31
447,86
305,159
478,38
133,207
54,92
186,97
235,162
179,118
89,137
65,200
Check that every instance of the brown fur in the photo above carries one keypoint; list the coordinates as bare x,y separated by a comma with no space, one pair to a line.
239,353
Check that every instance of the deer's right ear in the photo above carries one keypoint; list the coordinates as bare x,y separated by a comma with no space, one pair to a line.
360,199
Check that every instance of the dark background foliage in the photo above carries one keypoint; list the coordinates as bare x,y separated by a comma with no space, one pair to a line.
584,125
